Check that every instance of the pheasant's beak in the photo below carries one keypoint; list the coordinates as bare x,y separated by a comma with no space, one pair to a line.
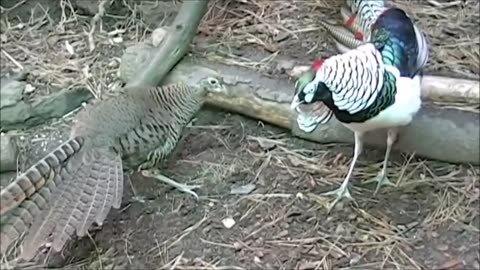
295,102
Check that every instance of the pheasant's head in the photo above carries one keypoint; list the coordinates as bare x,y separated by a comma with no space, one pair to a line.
212,85
307,89
303,80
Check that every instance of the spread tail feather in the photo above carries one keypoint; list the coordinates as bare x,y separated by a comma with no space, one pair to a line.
80,201
35,177
114,191
106,194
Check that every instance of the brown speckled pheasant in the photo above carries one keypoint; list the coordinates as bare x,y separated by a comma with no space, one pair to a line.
81,180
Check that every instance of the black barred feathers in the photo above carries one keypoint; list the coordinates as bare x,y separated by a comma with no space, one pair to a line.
355,85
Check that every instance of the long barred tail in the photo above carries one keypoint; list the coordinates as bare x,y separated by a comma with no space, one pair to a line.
343,39
36,176
24,198
80,191
91,186
366,12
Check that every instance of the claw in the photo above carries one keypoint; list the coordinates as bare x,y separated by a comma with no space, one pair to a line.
381,180
181,187
340,193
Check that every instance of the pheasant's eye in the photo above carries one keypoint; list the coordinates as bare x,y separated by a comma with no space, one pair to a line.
309,88
212,81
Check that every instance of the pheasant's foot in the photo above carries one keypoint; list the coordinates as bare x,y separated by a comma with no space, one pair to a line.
339,193
181,187
382,180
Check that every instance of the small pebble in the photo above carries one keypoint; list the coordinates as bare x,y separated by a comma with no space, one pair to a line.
442,247
355,258
29,88
340,229
117,39
237,246
352,216
228,222
282,234
243,190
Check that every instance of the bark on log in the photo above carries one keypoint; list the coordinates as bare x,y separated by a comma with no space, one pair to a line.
28,114
451,90
443,134
9,150
175,45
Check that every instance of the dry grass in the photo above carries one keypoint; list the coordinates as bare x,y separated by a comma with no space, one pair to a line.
362,233
70,52
291,28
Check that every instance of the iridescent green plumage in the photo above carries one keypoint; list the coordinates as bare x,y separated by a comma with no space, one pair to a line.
304,79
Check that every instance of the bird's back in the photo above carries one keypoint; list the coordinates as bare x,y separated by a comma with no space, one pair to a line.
101,122
395,35
166,111
134,121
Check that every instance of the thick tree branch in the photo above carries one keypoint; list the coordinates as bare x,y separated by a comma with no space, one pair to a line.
175,45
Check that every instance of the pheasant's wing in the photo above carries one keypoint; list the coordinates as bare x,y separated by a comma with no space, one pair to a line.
102,191
87,191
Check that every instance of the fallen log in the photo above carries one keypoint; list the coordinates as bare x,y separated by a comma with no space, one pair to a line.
443,134
24,114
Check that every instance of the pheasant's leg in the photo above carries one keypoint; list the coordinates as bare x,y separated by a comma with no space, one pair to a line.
342,191
382,178
182,187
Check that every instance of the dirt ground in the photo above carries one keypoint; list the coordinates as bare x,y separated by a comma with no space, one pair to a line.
429,221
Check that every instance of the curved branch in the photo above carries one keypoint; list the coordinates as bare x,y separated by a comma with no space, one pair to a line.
175,45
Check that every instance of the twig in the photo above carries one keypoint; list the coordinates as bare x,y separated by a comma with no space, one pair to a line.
95,20
12,59
2,9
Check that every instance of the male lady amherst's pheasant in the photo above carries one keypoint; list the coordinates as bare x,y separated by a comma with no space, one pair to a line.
375,86
358,16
